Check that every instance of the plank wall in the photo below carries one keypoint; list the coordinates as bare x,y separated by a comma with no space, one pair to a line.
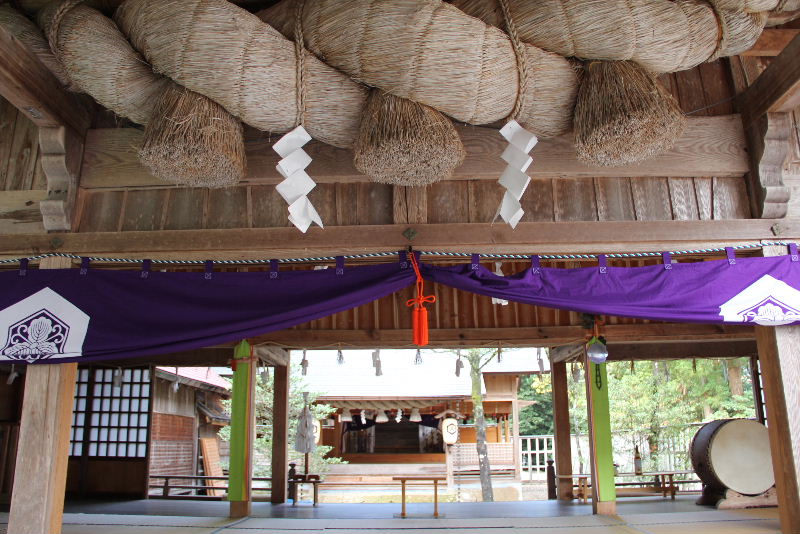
703,91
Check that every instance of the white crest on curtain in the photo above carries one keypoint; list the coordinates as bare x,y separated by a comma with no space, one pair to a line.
768,302
42,326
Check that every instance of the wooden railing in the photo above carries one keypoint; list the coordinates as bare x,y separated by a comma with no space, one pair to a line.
535,452
197,484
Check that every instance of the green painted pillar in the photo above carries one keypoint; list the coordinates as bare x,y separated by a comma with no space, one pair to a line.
240,472
603,489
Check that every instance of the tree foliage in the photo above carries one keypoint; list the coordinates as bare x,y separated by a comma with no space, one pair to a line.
262,464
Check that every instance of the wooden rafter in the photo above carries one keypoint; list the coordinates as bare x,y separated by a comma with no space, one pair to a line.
777,89
533,237
772,42
710,146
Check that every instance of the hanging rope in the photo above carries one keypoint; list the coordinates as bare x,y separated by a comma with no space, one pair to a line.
300,63
519,54
420,314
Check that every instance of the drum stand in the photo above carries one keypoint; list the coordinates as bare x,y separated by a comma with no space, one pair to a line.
733,500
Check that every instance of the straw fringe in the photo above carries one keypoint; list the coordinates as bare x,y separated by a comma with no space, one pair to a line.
401,142
623,115
660,35
191,140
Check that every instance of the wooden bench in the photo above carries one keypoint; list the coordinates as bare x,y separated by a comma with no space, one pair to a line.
663,484
420,478
582,485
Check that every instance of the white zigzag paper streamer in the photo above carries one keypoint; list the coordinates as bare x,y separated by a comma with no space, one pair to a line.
514,179
297,184
498,270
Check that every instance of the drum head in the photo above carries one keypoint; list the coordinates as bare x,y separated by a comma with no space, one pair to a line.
740,456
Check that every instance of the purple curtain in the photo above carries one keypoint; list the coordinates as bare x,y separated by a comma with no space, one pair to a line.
107,314
734,290
88,314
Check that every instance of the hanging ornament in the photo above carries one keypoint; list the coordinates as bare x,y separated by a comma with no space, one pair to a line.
116,380
540,361
694,365
376,357
418,358
459,364
420,314
399,417
633,367
514,179
363,417
12,375
381,417
339,357
265,374
498,270
499,354
297,184
378,368
304,363
415,416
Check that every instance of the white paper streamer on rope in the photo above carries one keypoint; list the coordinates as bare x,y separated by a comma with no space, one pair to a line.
498,270
514,179
297,184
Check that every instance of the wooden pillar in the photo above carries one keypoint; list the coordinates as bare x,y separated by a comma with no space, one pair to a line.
37,500
515,435
779,354
240,473
561,427
604,494
758,389
280,434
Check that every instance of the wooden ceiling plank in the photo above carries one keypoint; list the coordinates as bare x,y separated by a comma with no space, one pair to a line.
772,42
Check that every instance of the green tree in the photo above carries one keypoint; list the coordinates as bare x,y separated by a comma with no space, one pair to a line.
536,419
262,464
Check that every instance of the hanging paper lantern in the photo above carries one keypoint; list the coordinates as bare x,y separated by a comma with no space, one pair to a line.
450,430
317,431
415,417
596,350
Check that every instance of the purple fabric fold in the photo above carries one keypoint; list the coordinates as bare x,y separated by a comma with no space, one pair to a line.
756,290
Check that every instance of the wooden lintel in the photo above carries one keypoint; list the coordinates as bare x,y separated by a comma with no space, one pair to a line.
710,146
726,348
527,238
777,89
32,88
771,42
273,356
529,336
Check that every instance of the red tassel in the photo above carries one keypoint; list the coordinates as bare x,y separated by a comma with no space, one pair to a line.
419,317
421,324
415,323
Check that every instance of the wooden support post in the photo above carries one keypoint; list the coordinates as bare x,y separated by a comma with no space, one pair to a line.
240,474
515,435
758,389
37,500
779,354
604,494
561,428
280,434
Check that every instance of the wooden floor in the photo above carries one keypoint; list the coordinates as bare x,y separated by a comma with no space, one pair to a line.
636,516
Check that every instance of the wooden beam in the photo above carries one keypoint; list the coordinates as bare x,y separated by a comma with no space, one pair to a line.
561,428
273,356
710,146
31,88
777,89
280,435
771,42
725,348
528,336
779,354
19,212
528,238
37,500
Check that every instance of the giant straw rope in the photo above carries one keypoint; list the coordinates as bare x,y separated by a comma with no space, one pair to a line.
427,51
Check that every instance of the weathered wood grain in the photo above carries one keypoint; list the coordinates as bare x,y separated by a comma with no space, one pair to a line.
527,238
771,42
19,211
614,199
101,211
574,199
777,89
683,199
711,146
730,198
651,199
143,210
